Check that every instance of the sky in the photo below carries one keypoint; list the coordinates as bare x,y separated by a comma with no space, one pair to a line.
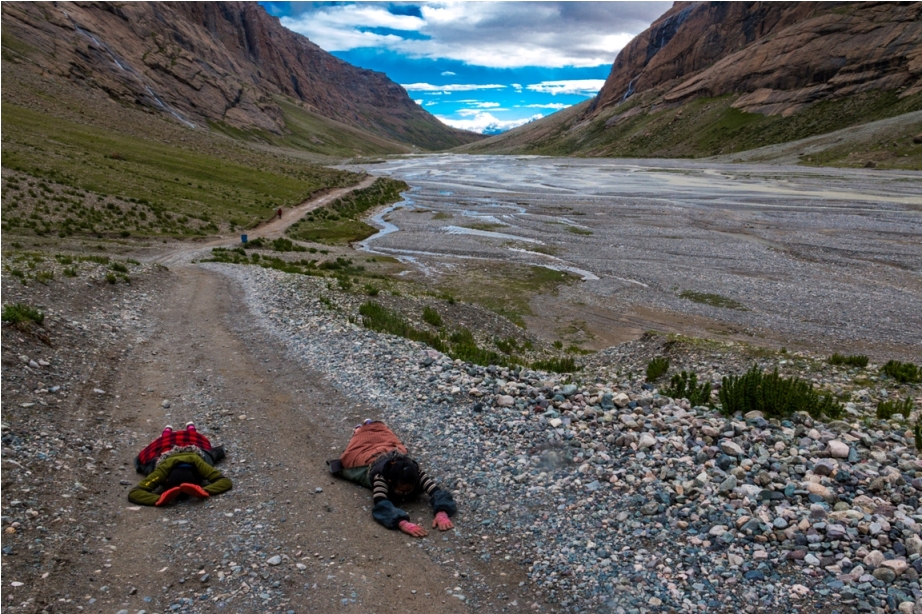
481,66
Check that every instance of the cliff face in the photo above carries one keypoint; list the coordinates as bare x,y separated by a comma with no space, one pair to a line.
780,56
213,61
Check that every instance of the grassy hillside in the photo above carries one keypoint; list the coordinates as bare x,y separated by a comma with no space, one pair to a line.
710,126
76,164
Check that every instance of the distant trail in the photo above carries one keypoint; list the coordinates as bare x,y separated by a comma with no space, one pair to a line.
271,229
275,228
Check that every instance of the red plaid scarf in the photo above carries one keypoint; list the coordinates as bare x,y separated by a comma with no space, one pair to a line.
167,442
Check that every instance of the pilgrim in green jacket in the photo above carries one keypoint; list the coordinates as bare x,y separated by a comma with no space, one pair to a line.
185,473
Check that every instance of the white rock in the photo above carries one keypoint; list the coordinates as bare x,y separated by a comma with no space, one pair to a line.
504,400
555,422
621,399
873,559
731,448
275,560
837,449
646,441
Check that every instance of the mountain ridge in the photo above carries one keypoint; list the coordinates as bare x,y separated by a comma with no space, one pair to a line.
711,78
213,63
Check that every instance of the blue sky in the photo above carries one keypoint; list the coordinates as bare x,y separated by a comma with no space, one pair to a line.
481,66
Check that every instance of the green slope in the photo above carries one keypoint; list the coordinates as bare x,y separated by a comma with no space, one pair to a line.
710,126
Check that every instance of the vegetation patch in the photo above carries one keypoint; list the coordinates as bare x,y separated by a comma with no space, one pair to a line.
278,245
506,289
22,315
685,386
431,316
656,368
339,222
887,409
903,372
854,360
714,300
579,231
775,396
488,226
561,364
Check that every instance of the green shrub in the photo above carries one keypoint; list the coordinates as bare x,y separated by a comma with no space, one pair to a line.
562,364
118,267
506,346
917,432
70,272
371,290
657,367
431,316
854,360
378,317
111,278
19,313
774,396
903,372
44,276
685,386
886,409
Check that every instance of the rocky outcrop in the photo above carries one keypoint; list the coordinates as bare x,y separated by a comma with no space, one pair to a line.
212,62
780,56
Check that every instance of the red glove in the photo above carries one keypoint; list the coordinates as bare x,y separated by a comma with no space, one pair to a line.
442,521
194,490
168,496
412,529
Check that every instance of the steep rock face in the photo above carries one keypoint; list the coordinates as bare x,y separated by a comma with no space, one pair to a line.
213,61
780,56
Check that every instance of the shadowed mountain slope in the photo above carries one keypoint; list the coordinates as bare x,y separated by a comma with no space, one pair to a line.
227,64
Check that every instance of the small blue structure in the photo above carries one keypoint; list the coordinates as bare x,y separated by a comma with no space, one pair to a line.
243,238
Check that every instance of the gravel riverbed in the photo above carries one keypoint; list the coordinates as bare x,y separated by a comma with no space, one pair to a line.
612,496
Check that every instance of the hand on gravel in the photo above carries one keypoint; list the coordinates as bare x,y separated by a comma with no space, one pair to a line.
168,496
442,521
412,529
194,490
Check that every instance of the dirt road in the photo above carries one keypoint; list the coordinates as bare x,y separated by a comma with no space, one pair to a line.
279,424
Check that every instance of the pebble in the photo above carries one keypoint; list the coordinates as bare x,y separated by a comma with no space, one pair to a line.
275,560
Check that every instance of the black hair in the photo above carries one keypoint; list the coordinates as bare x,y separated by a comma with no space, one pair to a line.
183,473
401,470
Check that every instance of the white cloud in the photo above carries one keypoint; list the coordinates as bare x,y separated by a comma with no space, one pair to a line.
483,105
492,34
584,87
432,102
484,122
552,105
475,112
419,102
457,87
517,86
448,73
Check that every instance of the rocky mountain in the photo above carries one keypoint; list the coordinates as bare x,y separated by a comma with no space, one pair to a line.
228,64
719,77
780,56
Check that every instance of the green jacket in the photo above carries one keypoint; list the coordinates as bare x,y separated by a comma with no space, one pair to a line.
144,494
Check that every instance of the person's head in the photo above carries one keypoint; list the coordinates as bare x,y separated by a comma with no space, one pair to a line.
401,474
183,473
